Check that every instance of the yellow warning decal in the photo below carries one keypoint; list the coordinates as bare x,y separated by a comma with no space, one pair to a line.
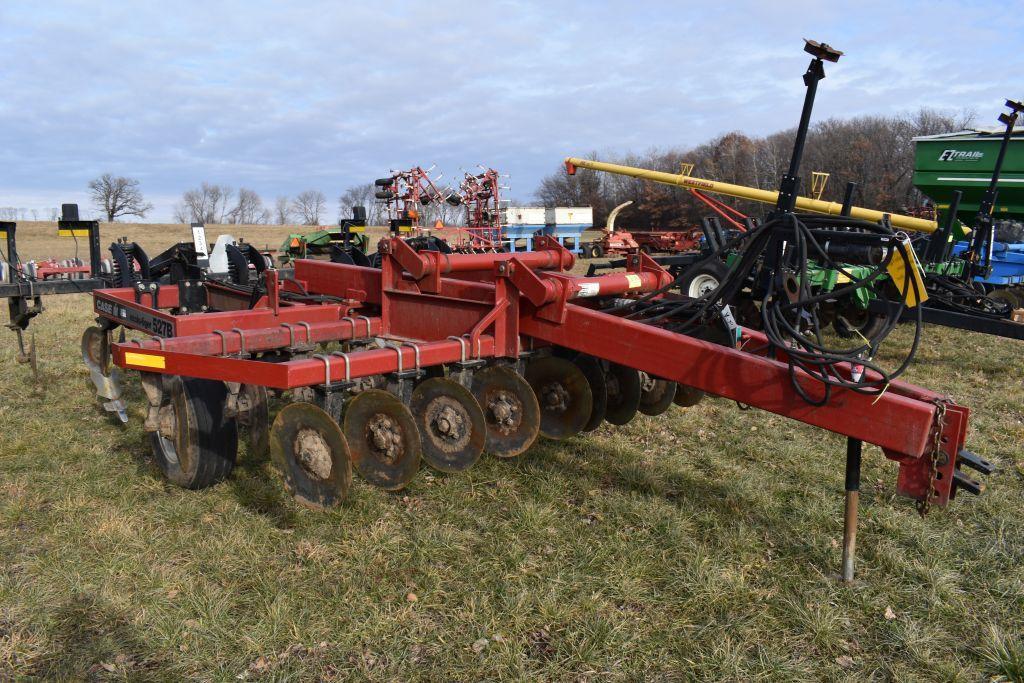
633,280
842,278
3,234
357,228
898,272
72,233
145,360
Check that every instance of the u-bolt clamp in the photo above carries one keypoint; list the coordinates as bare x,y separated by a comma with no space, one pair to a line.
309,331
462,345
352,322
241,340
398,350
223,341
348,364
368,333
327,369
291,334
161,341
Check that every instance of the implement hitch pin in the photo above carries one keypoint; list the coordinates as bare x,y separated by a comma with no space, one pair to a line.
853,452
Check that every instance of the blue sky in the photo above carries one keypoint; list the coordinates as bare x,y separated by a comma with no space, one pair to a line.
283,97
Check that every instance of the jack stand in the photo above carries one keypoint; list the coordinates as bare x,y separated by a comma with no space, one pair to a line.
853,452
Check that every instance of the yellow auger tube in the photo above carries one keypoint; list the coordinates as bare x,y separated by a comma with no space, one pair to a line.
752,193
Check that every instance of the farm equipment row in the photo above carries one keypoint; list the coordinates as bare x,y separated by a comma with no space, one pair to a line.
441,357
952,273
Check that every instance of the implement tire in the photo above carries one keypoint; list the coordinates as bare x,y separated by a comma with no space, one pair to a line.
203,443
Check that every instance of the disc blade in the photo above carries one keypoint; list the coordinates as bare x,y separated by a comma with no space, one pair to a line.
312,455
623,393
96,350
451,424
383,438
256,420
592,370
656,395
687,396
563,394
511,412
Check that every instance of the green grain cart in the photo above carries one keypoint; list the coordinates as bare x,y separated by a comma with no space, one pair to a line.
964,161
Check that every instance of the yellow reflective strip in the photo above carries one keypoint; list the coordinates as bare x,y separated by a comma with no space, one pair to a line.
3,234
72,233
145,360
633,281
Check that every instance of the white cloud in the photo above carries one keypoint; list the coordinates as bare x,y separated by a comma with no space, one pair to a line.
285,97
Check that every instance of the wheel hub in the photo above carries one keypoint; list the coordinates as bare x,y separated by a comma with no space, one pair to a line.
555,396
385,437
505,411
313,453
449,423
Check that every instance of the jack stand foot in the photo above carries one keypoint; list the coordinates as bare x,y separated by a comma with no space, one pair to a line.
853,453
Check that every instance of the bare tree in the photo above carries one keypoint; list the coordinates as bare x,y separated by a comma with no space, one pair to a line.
206,204
118,196
249,209
357,195
309,205
54,214
282,211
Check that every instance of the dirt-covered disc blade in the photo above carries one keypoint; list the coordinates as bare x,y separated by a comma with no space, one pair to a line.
255,420
656,395
383,439
511,412
563,394
592,370
623,393
687,396
96,349
311,453
451,424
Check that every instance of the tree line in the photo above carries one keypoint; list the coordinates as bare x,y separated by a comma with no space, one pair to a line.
875,152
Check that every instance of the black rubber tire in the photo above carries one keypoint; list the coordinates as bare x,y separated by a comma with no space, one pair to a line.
711,268
646,248
1008,295
597,251
587,251
1011,232
210,438
867,323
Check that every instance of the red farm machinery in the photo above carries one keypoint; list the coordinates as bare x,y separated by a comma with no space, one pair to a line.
441,357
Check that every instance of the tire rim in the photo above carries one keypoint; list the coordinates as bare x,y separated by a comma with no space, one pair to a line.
701,285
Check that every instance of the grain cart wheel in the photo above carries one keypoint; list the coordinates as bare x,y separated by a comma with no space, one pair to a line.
511,411
563,394
656,395
1009,296
195,445
851,320
451,424
383,439
311,454
704,279
255,420
623,393
592,370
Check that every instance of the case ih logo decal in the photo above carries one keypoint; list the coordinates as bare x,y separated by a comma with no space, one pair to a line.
958,155
136,319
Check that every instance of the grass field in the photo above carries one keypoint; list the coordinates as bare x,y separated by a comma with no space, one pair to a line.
698,545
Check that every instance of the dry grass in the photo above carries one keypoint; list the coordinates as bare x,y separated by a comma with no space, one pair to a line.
697,545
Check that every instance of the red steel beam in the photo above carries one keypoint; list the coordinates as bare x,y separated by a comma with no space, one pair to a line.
300,373
898,423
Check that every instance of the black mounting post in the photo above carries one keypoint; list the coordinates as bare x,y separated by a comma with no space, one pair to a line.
981,240
851,187
853,453
939,243
820,52
8,229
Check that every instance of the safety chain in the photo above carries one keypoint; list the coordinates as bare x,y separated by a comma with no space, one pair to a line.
923,506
